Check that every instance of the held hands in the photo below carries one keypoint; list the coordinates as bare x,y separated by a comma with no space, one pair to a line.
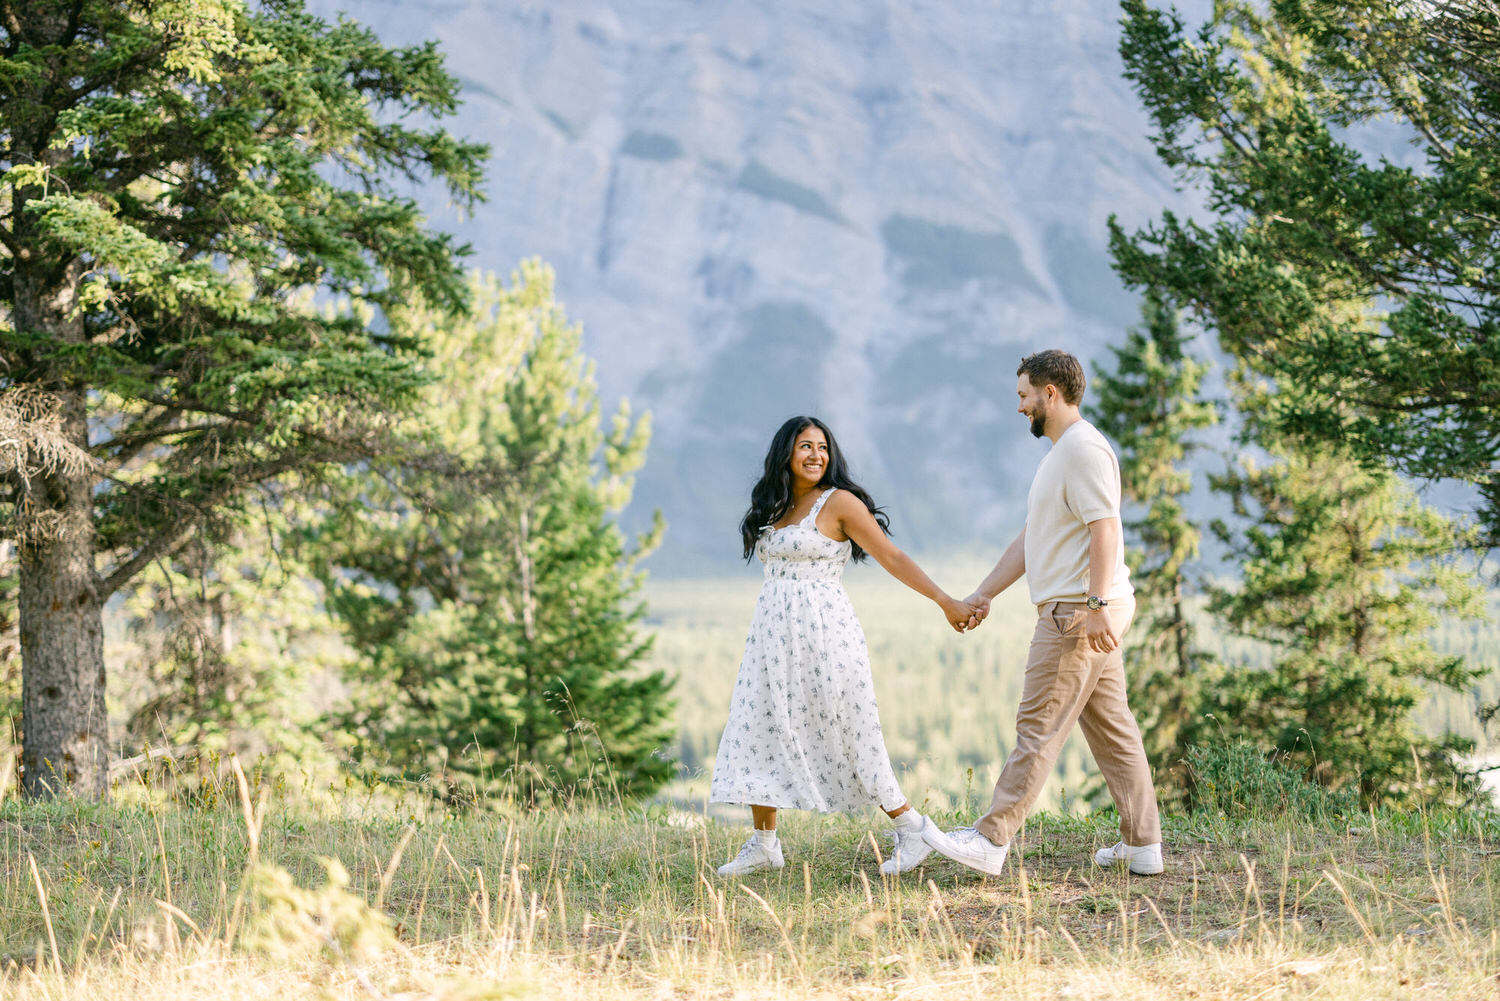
979,608
966,614
1098,632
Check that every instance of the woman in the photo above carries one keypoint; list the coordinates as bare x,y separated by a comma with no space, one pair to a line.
804,731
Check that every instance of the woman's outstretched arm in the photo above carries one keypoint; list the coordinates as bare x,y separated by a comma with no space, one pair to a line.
856,522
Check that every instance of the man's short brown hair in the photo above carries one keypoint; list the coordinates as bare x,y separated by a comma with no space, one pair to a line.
1055,368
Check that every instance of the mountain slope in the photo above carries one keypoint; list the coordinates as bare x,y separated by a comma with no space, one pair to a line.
867,211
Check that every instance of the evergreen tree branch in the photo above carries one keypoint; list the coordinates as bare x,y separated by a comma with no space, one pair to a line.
188,516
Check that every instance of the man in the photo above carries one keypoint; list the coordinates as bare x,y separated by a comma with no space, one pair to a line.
1072,552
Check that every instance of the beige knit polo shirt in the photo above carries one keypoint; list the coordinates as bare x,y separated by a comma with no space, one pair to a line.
1077,482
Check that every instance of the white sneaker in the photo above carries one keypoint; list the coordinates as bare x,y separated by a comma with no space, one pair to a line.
907,851
1143,861
753,857
966,845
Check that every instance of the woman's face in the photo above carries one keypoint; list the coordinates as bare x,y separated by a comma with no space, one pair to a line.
809,457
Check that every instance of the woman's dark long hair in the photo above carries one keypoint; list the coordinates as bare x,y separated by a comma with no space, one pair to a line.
771,497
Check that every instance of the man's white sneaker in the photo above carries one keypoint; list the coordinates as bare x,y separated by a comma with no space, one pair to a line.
754,856
908,851
1143,861
968,846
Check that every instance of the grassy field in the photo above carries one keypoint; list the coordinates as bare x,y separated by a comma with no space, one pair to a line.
288,891
948,702
314,897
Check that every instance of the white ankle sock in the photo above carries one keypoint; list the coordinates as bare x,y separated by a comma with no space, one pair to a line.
766,838
908,821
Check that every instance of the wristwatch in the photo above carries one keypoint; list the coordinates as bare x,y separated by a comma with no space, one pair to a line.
1095,602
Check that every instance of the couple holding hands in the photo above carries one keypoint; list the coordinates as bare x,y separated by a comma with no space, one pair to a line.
804,730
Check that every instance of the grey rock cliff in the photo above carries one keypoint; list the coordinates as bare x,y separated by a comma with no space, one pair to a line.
858,209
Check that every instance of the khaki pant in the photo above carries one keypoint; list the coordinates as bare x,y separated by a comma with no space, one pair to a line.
1066,682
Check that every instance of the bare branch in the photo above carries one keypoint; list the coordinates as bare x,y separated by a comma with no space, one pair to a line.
32,441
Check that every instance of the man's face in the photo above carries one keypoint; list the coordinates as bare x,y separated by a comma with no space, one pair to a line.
1034,403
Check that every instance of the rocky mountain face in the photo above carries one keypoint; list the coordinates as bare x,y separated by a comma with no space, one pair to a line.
859,209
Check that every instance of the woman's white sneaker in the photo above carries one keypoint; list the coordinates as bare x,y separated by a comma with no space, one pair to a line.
908,851
755,854
1143,861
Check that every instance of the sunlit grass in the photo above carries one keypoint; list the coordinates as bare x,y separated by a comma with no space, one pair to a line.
161,900
360,893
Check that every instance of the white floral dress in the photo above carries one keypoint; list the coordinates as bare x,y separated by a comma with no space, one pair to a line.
803,730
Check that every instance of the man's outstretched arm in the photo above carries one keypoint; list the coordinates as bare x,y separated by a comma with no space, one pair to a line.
1010,568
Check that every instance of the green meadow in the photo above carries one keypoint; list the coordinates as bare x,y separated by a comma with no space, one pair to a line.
947,701
282,892
274,888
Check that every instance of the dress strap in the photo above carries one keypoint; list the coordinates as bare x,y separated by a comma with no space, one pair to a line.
818,506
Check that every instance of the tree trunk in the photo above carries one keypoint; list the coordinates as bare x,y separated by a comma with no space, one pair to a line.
65,739
65,747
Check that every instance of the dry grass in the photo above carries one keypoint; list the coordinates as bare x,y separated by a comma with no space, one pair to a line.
181,902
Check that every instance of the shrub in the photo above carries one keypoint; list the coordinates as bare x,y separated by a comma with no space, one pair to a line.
1237,779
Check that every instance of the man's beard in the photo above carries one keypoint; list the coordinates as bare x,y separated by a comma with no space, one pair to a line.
1039,423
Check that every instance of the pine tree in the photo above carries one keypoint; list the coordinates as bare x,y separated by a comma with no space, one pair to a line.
1149,405
1267,109
1344,575
1362,291
177,179
494,602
